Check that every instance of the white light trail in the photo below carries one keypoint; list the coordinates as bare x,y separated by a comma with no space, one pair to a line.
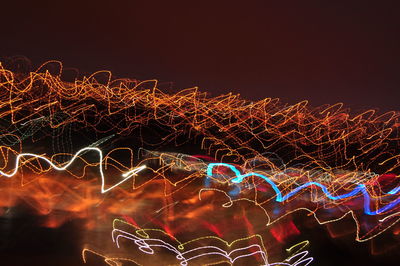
125,175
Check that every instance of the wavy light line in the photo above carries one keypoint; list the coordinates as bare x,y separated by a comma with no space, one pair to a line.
126,175
360,188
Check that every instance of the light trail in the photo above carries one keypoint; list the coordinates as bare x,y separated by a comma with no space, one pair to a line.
360,188
125,175
146,246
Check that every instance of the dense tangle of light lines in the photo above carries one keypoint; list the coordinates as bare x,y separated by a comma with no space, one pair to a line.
229,127
360,188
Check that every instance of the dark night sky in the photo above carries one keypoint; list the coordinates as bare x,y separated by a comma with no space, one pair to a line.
323,51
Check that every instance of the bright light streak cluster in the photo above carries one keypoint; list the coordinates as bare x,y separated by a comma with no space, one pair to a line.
208,170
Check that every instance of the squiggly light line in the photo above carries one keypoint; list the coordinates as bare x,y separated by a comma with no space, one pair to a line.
360,188
126,175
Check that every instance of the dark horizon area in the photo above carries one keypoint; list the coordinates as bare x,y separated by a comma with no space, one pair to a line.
321,52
